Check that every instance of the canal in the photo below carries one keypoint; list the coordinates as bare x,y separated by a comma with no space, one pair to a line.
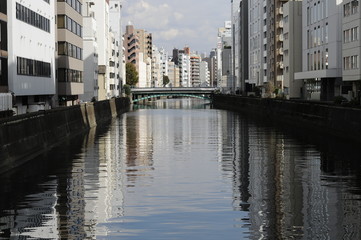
179,169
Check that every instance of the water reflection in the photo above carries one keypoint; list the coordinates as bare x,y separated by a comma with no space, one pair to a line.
180,170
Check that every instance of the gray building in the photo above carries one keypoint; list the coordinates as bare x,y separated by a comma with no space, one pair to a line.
351,49
292,48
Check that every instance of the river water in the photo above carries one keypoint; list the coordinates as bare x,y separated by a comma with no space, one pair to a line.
181,170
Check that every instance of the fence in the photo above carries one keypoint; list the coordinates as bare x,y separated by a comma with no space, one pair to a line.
6,101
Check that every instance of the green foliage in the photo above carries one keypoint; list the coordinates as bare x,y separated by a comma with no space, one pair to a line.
165,80
132,77
127,90
339,100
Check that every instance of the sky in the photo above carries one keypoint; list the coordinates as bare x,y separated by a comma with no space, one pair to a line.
177,23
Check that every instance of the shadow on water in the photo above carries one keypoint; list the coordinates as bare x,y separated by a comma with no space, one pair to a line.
32,178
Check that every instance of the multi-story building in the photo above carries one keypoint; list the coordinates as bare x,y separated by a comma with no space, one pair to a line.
4,88
70,51
101,11
157,71
224,56
257,20
204,74
112,85
164,61
115,22
351,50
31,53
322,48
90,54
173,74
195,80
292,48
184,65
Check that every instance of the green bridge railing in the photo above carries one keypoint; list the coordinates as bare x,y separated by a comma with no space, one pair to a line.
171,94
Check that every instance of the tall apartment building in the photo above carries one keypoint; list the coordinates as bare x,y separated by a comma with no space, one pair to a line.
224,55
138,50
101,11
257,20
115,22
4,88
292,48
173,74
157,71
70,51
112,86
90,54
164,61
204,74
351,49
195,80
322,49
31,53
184,65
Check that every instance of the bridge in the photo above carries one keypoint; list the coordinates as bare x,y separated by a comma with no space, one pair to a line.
140,94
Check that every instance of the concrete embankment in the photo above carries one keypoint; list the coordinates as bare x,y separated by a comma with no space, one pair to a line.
338,121
25,136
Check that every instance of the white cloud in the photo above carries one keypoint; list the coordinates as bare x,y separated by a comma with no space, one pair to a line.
172,24
168,34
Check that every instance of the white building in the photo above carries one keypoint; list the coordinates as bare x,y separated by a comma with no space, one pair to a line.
322,49
90,55
204,74
224,43
31,54
164,61
112,85
115,22
101,10
157,65
184,65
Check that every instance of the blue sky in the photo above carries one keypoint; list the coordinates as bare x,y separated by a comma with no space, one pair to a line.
178,23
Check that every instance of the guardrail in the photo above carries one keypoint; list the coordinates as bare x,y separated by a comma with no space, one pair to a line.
6,101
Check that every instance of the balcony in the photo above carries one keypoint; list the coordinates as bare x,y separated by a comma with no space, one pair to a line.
71,88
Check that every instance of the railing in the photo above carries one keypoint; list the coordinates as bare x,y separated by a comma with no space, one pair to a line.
6,101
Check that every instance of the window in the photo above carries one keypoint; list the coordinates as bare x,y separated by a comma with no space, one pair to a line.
28,16
70,75
32,67
66,22
75,4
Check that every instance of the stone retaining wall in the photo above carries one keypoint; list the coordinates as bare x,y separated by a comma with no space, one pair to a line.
25,136
340,121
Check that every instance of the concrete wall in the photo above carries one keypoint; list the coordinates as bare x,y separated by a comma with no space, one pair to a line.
320,118
25,136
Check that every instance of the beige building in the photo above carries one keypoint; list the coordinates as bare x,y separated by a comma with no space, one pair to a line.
292,48
173,74
70,52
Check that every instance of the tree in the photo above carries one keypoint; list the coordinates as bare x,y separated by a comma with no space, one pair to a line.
127,90
132,77
165,80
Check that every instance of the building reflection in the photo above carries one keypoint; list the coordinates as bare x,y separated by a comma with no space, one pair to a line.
291,190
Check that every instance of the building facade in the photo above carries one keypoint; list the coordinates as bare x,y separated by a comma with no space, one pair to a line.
292,48
322,48
4,88
31,54
351,50
195,80
90,55
257,32
70,51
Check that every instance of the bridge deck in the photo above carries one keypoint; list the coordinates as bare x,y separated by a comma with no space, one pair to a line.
206,90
